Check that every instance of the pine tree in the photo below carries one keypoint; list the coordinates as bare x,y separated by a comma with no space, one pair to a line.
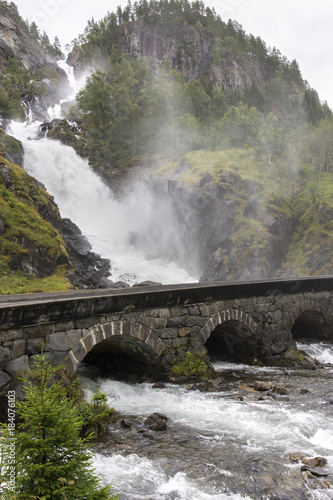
52,460
58,54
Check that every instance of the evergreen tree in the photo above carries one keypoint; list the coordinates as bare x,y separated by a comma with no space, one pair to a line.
239,126
34,31
52,460
95,100
57,49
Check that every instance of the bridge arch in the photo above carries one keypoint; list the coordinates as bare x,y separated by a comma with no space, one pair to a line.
310,319
312,324
140,337
231,332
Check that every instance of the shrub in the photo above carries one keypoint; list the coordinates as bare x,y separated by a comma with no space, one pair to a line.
192,366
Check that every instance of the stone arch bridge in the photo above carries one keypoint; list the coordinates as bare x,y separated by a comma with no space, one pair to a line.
139,327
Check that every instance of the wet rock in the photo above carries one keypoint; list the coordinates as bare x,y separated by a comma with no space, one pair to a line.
74,238
125,423
280,389
314,471
296,456
314,462
214,385
44,127
260,385
90,269
316,483
147,283
278,397
159,385
120,284
156,422
105,283
265,398
159,426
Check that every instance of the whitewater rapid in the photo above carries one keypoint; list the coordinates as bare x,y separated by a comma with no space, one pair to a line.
264,431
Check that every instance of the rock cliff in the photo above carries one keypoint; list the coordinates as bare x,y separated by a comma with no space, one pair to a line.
17,44
231,227
183,47
31,65
190,50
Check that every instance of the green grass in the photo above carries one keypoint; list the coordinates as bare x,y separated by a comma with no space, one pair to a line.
272,179
28,237
16,282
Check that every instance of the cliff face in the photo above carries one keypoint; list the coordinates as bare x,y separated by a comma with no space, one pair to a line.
232,226
27,73
189,50
17,44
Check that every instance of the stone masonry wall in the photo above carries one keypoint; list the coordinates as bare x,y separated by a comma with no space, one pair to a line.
165,333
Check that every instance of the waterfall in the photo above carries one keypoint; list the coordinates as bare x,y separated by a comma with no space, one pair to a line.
139,233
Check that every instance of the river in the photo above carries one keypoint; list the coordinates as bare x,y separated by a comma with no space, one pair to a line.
230,444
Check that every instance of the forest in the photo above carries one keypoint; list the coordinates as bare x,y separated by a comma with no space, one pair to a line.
128,108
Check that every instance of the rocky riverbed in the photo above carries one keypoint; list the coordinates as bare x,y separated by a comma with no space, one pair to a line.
252,433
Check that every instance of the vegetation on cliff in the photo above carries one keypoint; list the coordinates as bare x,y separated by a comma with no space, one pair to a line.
270,132
31,248
174,76
21,74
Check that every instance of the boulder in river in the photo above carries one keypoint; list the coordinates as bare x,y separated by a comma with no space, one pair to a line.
314,462
156,422
260,385
280,388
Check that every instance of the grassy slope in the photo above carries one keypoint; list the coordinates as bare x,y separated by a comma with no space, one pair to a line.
20,202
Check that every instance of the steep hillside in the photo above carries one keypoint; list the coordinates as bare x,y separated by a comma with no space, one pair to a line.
29,74
242,218
39,251
176,71
173,78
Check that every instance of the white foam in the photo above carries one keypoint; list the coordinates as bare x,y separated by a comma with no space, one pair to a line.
139,478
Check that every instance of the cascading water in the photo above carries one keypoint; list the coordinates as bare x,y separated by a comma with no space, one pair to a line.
138,233
222,446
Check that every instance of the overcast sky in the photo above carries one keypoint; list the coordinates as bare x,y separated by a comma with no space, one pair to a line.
300,29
